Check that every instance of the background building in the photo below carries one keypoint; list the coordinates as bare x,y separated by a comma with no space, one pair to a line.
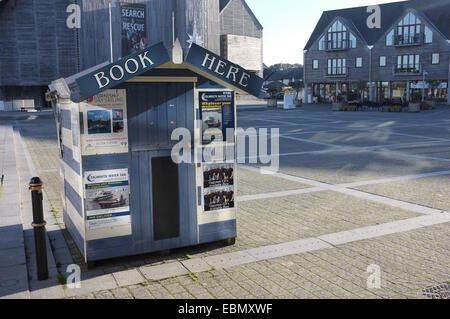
37,46
345,57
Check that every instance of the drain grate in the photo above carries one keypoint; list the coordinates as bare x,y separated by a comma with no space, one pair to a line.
438,292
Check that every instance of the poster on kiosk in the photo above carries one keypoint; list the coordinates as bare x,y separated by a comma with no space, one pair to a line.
217,113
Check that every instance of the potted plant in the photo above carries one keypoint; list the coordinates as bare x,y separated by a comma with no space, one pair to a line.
433,84
415,102
337,104
272,100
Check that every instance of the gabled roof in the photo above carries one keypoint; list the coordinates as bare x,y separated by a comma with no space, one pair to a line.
294,73
437,12
224,3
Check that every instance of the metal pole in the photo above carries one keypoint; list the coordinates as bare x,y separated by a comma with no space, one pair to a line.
423,86
111,34
39,228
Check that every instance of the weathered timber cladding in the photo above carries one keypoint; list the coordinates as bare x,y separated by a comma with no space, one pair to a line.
36,47
237,19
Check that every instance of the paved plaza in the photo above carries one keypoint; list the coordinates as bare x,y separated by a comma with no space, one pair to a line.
355,191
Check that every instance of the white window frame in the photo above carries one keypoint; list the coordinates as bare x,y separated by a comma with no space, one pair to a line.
438,58
314,64
383,57
356,62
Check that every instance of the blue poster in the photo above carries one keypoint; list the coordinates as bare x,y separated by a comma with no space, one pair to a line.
217,115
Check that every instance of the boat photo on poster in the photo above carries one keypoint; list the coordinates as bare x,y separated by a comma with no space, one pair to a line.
107,198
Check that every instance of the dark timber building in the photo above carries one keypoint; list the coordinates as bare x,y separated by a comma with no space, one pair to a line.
344,56
37,46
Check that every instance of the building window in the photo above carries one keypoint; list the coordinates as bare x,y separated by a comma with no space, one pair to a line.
408,64
337,67
435,58
359,62
382,61
428,35
352,43
338,37
408,30
390,38
315,64
322,44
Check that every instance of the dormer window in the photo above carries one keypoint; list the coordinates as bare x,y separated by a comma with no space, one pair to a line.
428,35
337,38
408,30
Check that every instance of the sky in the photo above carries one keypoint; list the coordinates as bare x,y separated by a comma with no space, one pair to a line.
288,24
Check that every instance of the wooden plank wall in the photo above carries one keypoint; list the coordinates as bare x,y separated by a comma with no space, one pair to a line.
95,45
36,47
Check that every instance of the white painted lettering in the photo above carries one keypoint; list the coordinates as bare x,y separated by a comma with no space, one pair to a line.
136,65
245,77
99,77
143,58
232,71
111,73
219,66
210,59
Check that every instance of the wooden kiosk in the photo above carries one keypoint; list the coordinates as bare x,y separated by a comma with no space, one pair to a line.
123,192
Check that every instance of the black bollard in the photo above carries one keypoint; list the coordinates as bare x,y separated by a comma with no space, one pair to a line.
39,228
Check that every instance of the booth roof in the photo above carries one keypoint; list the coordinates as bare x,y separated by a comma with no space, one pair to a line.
83,85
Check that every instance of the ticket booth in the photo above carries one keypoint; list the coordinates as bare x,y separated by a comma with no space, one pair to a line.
139,140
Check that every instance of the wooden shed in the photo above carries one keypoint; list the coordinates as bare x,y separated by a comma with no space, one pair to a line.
126,191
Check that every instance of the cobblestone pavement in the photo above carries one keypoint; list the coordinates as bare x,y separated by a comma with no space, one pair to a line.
319,146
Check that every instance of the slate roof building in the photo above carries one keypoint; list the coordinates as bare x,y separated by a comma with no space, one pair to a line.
343,54
284,77
37,46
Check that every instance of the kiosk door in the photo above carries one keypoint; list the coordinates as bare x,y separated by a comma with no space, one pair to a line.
162,193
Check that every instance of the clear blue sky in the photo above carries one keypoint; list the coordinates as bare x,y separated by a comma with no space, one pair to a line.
288,24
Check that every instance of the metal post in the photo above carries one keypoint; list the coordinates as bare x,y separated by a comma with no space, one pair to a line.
39,228
111,34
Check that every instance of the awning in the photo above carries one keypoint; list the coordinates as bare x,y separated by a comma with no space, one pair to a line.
91,82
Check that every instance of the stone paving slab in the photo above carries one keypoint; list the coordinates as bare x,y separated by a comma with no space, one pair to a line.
230,260
105,282
196,265
128,277
359,139
431,192
384,229
353,166
164,271
251,183
286,249
409,262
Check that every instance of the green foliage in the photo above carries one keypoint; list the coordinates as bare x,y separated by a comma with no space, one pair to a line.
61,279
297,85
416,96
283,66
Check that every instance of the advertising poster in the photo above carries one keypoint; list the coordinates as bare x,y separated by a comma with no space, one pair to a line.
219,198
217,115
216,175
106,123
218,185
107,198
134,28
